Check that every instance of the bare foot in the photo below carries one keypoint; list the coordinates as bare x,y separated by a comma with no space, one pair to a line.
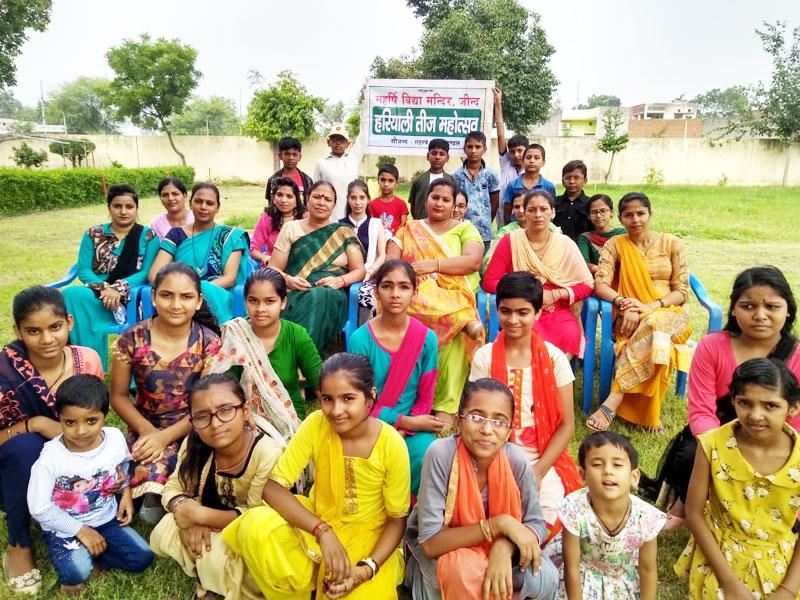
72,590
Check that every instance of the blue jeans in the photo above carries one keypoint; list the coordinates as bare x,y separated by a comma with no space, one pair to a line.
125,550
17,456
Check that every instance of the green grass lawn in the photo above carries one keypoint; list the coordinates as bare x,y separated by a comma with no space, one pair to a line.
726,229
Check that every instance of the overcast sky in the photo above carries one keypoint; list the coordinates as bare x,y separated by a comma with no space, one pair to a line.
639,51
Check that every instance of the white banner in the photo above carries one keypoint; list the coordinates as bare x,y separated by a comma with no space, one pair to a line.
404,115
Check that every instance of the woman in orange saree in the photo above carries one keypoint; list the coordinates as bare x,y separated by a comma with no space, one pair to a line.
445,253
651,276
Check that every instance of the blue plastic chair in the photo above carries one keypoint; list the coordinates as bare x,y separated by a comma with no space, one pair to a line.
607,357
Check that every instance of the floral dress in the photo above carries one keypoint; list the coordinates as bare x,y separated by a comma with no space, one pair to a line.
609,564
162,391
750,515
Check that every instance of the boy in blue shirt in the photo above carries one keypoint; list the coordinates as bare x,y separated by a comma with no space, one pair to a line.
531,179
480,184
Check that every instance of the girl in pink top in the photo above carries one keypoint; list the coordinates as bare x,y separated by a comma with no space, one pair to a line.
760,321
286,204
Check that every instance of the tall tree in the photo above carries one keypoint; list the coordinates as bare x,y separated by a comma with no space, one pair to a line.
727,103
11,108
612,141
485,39
284,108
153,82
214,115
600,100
16,16
81,104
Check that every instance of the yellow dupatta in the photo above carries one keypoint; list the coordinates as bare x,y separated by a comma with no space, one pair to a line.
646,359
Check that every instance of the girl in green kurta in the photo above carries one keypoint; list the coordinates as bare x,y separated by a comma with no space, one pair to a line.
113,258
265,352
215,251
601,209
319,261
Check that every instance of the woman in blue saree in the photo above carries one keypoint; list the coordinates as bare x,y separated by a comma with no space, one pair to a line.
319,261
113,258
216,252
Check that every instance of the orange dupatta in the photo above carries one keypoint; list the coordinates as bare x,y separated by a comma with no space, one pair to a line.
464,506
547,410
644,382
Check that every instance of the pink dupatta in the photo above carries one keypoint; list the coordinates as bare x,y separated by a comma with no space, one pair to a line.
401,366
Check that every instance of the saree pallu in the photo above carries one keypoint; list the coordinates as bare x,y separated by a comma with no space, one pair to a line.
444,304
353,495
321,310
208,253
645,360
560,266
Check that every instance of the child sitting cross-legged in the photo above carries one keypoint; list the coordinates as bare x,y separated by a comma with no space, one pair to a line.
222,469
73,487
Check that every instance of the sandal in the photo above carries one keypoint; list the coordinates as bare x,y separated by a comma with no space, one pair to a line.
655,430
28,583
673,522
609,415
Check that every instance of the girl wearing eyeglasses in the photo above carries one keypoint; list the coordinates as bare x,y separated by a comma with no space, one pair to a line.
540,379
319,260
222,468
601,209
163,356
477,526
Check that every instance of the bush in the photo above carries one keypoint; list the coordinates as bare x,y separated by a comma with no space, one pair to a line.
24,191
73,150
26,157
385,160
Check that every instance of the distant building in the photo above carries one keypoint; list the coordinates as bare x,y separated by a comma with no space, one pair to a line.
663,110
580,122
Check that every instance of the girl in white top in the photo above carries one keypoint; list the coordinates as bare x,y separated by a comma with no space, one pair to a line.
370,233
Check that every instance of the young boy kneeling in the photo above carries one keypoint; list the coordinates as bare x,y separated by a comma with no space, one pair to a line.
73,485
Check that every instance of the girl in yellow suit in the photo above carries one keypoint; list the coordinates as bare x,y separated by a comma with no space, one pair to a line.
342,540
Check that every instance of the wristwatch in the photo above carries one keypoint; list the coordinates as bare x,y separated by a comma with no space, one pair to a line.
369,562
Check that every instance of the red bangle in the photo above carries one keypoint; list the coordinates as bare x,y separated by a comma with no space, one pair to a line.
316,528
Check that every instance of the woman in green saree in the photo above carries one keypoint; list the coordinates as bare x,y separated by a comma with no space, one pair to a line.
319,261
216,252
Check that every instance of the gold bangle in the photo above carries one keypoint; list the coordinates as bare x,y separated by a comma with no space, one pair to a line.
491,527
484,524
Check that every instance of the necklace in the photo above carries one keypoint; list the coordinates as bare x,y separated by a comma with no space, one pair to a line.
234,467
615,530
541,247
61,372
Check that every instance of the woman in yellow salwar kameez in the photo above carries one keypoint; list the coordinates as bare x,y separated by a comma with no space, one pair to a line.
446,254
343,539
651,276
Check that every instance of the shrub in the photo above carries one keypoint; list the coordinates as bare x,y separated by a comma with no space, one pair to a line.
654,177
27,157
24,191
385,160
73,150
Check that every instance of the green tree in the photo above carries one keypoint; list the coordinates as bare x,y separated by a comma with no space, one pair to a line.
284,108
332,113
11,108
153,82
25,156
75,151
81,104
727,103
402,67
601,100
16,16
485,39
214,115
612,141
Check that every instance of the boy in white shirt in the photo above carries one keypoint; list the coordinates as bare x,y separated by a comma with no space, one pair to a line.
73,487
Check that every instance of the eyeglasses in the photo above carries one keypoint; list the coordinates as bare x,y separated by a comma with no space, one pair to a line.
323,197
480,421
225,414
599,211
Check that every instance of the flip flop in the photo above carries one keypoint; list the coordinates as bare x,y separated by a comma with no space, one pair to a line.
28,583
608,413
